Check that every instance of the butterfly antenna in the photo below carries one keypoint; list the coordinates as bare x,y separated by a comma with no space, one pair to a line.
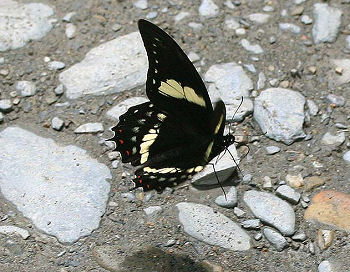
240,104
217,178
239,169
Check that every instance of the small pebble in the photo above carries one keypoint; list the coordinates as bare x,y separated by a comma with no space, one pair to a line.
153,210
115,164
275,238
295,181
89,128
306,20
301,236
230,201
238,212
346,157
56,65
67,18
170,243
339,70
70,33
57,123
128,196
247,178
151,15
270,150
258,236
26,88
1,117
338,101
240,31
116,27
4,72
251,224
141,4
5,105
288,194
59,90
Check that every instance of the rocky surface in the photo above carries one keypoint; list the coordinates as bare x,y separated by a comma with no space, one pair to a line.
66,203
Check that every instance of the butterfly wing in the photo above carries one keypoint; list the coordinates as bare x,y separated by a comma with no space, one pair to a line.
173,84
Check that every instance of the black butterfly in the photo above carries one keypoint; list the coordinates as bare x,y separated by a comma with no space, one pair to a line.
178,132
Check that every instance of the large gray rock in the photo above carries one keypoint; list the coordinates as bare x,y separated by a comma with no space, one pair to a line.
60,188
271,210
202,223
280,113
30,22
327,23
115,66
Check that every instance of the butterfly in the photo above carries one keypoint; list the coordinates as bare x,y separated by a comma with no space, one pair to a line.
175,134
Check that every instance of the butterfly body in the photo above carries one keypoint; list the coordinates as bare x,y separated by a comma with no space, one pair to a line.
178,132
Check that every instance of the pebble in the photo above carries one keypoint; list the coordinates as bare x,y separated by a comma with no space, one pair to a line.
306,20
330,207
180,16
152,210
326,266
288,194
141,4
115,164
57,123
26,88
300,237
280,113
2,60
68,171
240,31
313,108
195,26
336,100
1,117
229,4
275,238
116,111
331,139
261,81
290,27
170,243
59,90
4,72
238,212
116,27
31,22
259,18
338,79
250,68
271,210
9,230
232,23
247,178
193,56
151,15
251,224
297,11
71,31
89,128
102,71
270,150
230,201
325,30
347,42
346,156
68,17
5,105
267,183
252,48
295,181
208,9
202,223
325,238
56,65
128,196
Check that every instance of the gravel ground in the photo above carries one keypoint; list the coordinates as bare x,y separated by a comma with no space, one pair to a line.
65,203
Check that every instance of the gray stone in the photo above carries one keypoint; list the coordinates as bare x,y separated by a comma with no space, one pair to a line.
153,210
1,117
115,66
238,212
26,88
327,23
59,90
270,150
208,9
247,178
271,210
298,2
275,238
202,223
252,48
268,8
195,26
326,266
193,56
5,105
250,68
251,224
123,107
290,27
337,100
346,156
128,196
336,79
330,139
231,23
181,15
60,188
261,81
56,65
141,4
71,31
151,15
2,60
89,128
225,167
68,17
313,108
347,42
280,113
259,18
229,4
31,22
235,114
57,123
230,201
306,20
301,236
9,230
288,194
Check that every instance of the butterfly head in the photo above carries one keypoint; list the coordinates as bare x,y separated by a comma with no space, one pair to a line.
228,140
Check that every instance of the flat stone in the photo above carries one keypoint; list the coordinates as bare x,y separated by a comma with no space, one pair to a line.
208,9
313,182
193,56
202,223
271,210
259,18
56,65
290,28
327,23
270,150
331,208
31,22
251,224
5,105
61,189
280,113
10,230
346,156
288,194
89,128
116,111
115,66
252,48
225,168
57,123
336,140
275,238
230,201
26,88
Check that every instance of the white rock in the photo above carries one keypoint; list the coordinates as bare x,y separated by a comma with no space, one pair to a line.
288,194
290,27
346,157
261,81
89,128
229,4
347,42
252,48
57,123
153,210
70,31
141,4
306,20
9,230
122,107
276,239
231,23
60,188
238,212
26,88
330,139
208,8
202,223
59,89
327,23
270,150
193,56
56,65
115,66
240,31
230,201
259,18
5,105
326,266
181,15
195,26
271,210
251,224
30,21
68,17
313,108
